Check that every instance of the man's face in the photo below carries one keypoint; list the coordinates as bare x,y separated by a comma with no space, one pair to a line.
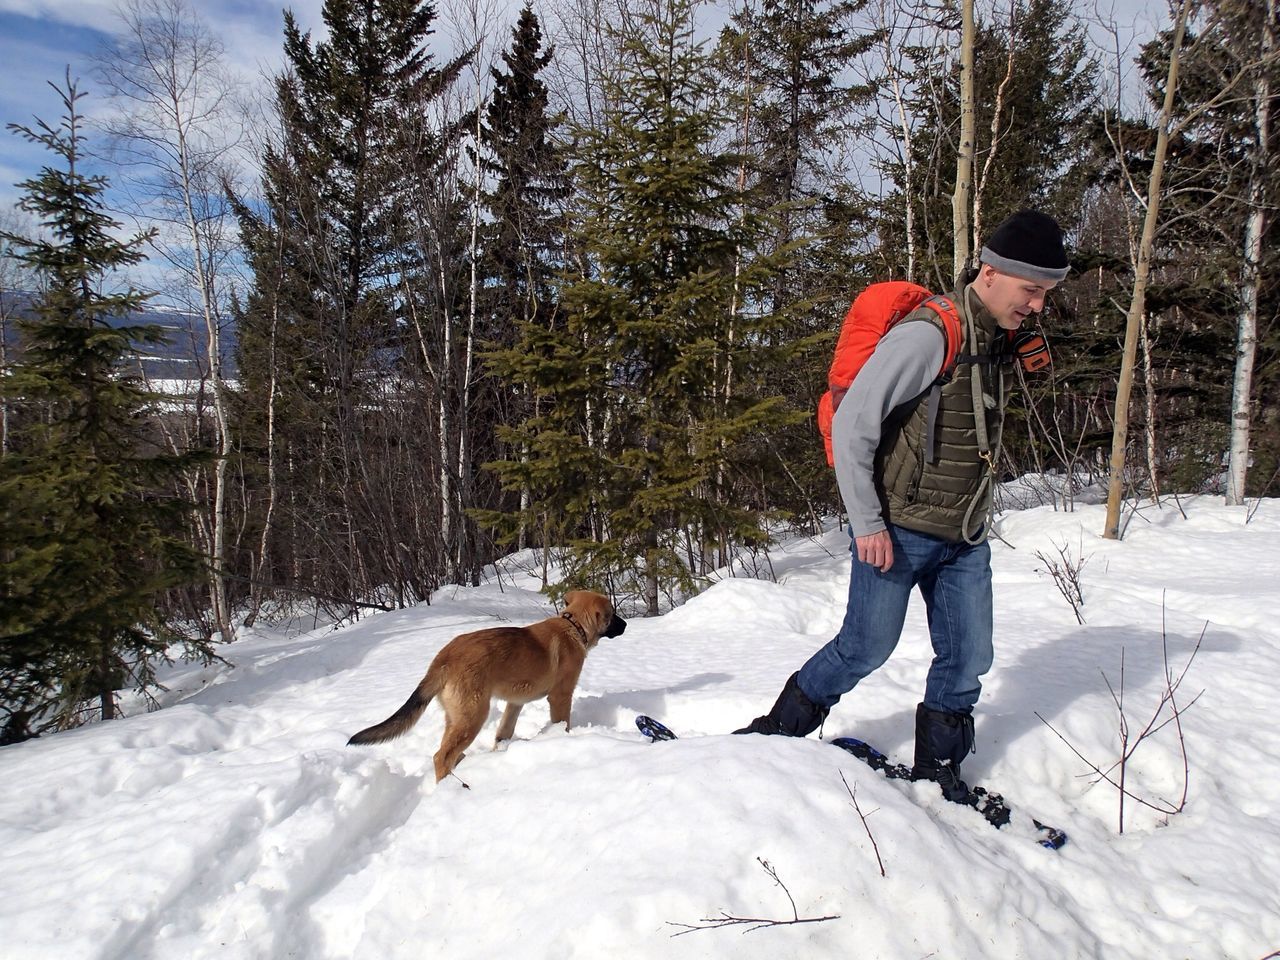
1011,299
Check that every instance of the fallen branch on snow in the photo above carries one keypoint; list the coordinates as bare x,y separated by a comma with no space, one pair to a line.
751,923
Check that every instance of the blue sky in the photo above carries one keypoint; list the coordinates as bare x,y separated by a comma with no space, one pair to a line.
39,39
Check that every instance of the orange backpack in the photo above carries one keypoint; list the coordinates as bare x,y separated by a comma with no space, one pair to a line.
874,313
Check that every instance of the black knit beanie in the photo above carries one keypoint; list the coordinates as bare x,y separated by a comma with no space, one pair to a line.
1028,244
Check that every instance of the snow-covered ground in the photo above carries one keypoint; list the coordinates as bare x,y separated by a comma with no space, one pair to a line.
236,823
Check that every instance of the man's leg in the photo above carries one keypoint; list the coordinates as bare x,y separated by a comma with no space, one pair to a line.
957,596
874,615
873,618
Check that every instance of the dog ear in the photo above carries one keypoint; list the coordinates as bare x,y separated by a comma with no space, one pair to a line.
603,611
571,598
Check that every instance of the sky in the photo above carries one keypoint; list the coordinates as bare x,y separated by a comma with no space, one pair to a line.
41,39
235,823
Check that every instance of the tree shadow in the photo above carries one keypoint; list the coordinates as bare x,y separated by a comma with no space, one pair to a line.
1049,678
606,709
262,670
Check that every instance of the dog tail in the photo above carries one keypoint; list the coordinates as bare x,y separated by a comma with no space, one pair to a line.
402,720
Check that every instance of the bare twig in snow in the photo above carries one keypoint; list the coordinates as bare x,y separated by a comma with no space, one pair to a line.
751,923
1066,575
1168,711
863,817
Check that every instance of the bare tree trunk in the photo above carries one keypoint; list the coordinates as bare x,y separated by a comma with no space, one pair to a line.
725,376
651,573
962,197
445,419
481,15
204,278
1120,434
1149,385
168,75
464,405
264,542
1247,324
995,133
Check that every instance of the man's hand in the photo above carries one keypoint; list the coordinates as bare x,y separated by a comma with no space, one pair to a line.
876,549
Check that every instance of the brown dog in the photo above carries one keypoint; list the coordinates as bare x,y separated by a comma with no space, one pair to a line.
517,664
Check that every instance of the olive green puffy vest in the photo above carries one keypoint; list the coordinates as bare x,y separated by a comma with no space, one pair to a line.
949,497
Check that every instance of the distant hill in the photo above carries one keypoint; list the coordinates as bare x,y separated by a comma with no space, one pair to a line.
181,358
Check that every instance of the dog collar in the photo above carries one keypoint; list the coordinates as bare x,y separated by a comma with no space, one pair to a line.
582,634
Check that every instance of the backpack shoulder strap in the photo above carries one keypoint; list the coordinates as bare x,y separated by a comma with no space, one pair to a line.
952,330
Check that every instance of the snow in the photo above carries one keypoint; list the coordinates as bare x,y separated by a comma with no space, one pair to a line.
236,823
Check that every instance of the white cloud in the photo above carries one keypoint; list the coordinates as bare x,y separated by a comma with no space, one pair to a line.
252,30
94,14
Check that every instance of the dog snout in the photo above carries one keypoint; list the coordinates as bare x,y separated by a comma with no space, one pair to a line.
616,626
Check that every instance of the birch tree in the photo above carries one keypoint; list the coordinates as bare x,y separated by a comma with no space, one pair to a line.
174,128
997,118
1146,242
1218,187
1259,190
897,120
962,198
1033,94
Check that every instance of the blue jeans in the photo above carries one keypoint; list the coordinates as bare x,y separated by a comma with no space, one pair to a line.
955,581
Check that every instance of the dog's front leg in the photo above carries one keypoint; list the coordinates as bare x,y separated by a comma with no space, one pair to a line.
507,726
561,701
560,697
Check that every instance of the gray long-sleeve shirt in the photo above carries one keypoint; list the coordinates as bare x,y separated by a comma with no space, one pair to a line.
905,362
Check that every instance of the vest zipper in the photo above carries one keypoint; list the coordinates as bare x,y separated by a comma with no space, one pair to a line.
917,477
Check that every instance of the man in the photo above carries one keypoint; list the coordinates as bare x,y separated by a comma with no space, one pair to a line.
921,520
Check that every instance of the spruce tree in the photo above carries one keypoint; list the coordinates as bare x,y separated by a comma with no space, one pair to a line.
90,522
647,423
345,106
794,60
524,236
523,253
345,299
794,63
